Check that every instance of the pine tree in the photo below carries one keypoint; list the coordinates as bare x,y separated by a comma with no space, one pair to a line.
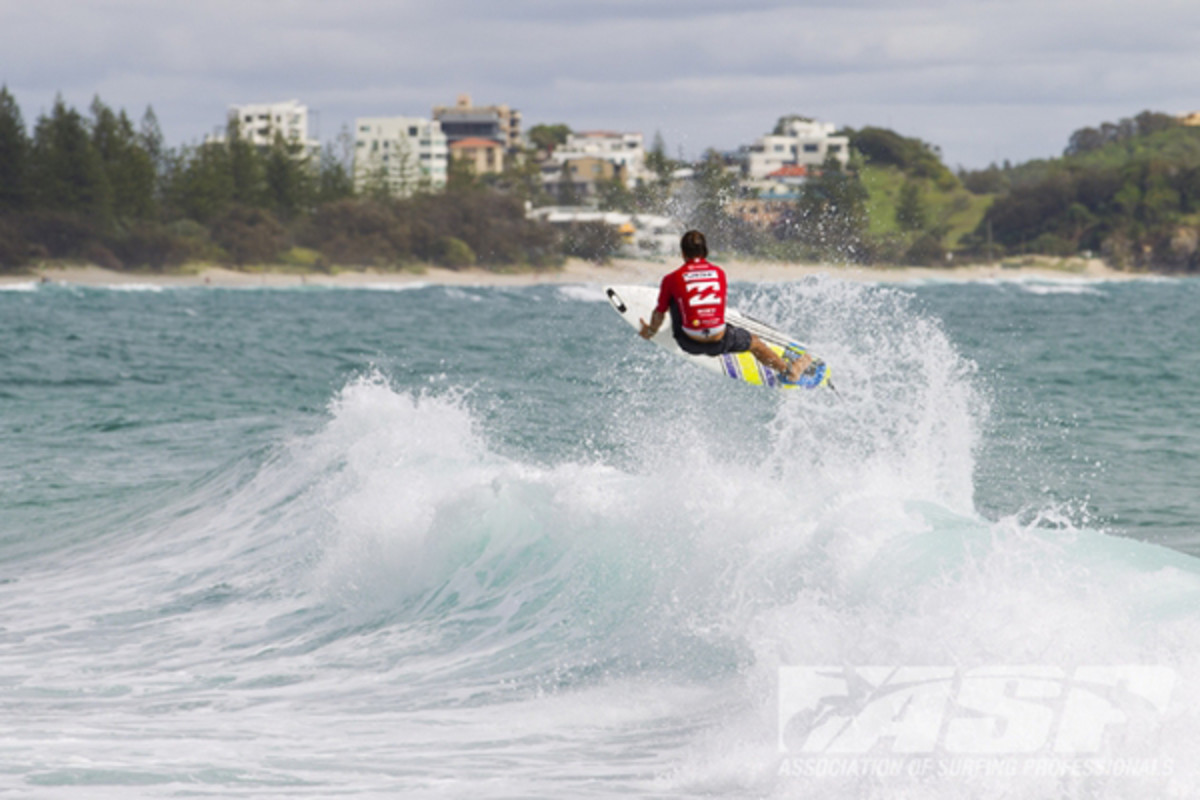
910,208
150,137
568,193
656,160
201,186
715,189
67,172
333,177
245,168
127,167
289,179
14,156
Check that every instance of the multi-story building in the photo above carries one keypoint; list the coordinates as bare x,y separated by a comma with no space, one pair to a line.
802,142
581,177
401,154
767,201
626,152
484,155
466,121
261,123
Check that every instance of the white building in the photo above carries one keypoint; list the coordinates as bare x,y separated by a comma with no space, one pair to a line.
642,235
803,142
260,123
408,153
626,151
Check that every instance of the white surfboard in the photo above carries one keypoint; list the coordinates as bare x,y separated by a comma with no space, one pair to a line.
635,303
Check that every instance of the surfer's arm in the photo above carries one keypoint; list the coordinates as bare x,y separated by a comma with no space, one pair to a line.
656,321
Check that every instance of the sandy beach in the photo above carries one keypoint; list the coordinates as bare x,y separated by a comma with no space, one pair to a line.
575,271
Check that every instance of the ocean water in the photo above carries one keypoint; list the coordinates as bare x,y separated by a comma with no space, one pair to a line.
487,543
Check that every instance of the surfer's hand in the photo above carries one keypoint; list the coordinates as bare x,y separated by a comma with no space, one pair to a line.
646,332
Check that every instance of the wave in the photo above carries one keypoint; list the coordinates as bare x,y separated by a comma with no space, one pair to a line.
1059,288
572,579
401,557
583,292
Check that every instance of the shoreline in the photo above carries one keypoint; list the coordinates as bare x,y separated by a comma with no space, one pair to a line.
574,272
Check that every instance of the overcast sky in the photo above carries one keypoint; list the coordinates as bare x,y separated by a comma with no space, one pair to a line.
986,80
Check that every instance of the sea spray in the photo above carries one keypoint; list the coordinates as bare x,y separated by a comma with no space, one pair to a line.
528,568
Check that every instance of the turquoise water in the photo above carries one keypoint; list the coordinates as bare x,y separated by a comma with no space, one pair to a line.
478,541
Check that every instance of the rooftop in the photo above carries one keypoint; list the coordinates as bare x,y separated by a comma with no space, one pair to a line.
790,171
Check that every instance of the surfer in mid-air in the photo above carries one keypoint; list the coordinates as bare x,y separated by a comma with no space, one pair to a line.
694,295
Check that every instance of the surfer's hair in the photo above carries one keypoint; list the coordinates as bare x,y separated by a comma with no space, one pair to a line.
693,245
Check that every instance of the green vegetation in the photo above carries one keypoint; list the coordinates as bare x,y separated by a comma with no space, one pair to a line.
1129,191
904,209
99,190
881,147
548,137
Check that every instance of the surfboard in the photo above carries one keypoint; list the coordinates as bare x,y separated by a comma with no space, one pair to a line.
635,303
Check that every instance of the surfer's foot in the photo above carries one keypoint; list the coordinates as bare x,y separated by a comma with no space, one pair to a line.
797,366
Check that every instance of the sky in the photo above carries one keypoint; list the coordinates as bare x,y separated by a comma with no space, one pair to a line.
984,80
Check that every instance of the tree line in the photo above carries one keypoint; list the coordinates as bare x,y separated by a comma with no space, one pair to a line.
102,189
1128,191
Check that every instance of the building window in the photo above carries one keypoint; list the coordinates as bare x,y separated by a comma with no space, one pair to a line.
412,131
811,148
835,148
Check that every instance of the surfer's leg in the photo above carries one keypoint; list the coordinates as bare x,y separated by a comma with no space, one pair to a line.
766,355
792,369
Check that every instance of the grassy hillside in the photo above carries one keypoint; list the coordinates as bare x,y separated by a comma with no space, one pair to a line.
954,212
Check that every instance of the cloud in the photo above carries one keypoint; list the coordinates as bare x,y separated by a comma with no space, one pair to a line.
1014,76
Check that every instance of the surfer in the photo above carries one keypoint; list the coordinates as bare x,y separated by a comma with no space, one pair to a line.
695,296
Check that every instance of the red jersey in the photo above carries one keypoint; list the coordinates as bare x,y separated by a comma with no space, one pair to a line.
698,289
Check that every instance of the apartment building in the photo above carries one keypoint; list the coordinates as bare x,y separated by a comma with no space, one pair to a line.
581,177
626,153
261,123
801,142
486,156
464,120
403,154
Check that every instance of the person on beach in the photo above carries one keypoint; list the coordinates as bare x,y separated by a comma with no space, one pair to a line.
694,295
